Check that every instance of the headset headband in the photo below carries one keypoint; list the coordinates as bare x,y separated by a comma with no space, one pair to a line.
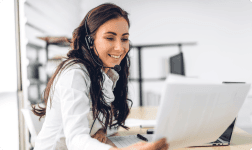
86,23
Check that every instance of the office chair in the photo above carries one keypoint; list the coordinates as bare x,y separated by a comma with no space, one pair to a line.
33,124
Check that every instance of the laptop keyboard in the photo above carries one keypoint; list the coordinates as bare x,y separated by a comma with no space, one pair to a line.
124,141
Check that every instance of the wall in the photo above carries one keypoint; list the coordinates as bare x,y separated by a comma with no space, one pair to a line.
8,76
222,30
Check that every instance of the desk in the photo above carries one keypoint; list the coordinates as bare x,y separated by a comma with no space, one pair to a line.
241,140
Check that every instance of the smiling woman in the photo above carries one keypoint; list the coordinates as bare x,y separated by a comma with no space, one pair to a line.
111,42
85,98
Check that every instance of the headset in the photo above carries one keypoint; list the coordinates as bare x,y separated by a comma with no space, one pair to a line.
90,42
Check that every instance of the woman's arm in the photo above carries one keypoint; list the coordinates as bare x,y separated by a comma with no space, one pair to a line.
75,108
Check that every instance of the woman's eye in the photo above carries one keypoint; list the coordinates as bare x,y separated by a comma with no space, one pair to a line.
111,39
125,40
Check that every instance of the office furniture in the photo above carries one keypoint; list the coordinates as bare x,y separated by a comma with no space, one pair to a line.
139,49
36,70
241,140
59,41
34,88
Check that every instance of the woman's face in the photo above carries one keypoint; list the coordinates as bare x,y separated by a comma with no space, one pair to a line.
112,42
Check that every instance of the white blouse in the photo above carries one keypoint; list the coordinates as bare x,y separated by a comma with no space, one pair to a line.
68,121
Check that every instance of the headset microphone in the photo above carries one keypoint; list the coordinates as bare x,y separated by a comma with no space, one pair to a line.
117,68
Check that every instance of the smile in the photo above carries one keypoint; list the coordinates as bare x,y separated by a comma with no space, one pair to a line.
114,56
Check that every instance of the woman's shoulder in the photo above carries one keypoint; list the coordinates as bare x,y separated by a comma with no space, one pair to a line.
73,72
73,66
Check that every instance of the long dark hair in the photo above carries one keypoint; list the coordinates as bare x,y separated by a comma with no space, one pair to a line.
79,53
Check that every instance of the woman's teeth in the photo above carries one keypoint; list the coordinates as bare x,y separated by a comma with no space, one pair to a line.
114,56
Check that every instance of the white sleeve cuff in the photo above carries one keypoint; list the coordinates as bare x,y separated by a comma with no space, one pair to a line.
91,144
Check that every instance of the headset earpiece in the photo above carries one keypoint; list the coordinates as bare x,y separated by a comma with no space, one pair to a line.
89,41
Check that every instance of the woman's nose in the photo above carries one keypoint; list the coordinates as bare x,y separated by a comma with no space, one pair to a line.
119,46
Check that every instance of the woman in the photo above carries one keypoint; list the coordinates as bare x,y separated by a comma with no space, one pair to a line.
86,98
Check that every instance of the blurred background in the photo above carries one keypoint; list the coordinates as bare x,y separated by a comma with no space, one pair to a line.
198,38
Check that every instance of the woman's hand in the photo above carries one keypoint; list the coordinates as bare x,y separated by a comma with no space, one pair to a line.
158,145
100,135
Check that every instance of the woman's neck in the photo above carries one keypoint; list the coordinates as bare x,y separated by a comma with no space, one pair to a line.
105,70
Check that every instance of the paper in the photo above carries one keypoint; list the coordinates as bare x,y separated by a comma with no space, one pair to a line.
193,112
139,122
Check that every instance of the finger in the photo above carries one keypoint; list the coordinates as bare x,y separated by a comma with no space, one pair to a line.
94,136
99,139
159,144
165,147
105,139
140,143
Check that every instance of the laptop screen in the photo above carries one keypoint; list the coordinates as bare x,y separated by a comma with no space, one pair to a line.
226,136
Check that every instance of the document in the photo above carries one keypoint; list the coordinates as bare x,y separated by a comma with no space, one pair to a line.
196,112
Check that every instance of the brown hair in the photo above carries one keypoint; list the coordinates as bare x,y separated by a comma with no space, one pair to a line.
79,53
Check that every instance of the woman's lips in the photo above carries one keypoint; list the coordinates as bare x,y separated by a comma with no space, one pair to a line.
115,56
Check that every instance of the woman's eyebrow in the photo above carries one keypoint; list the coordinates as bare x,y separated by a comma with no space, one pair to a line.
115,33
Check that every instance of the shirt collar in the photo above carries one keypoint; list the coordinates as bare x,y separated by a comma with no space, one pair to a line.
112,75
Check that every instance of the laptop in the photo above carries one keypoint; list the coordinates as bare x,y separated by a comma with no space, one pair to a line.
207,98
124,141
224,139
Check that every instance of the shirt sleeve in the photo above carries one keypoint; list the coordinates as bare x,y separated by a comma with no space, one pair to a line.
72,90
